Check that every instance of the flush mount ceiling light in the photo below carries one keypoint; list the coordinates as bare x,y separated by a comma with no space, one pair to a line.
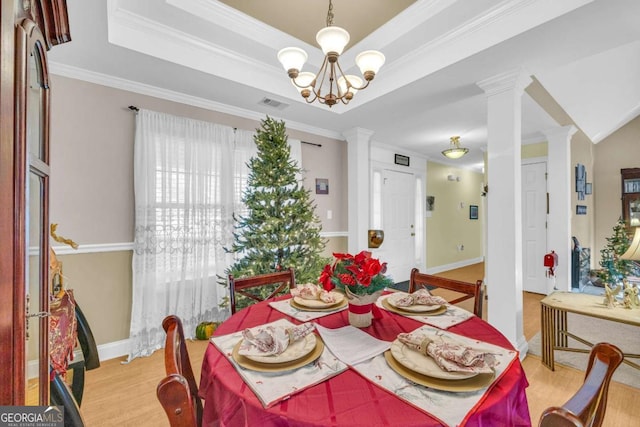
330,85
455,152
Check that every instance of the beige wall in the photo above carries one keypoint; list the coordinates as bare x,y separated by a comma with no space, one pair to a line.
582,151
531,151
449,224
92,133
620,150
582,226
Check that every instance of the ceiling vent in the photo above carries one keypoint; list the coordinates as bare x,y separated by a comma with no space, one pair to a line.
272,103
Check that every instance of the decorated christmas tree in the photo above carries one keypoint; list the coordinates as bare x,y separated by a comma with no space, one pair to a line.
615,269
281,229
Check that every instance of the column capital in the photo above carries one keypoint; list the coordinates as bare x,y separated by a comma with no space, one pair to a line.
358,134
560,132
516,80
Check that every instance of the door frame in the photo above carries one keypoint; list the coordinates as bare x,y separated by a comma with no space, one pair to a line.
381,166
530,161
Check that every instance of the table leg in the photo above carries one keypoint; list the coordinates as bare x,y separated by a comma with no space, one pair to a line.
548,335
561,328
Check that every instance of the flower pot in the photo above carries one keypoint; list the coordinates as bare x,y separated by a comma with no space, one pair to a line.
360,308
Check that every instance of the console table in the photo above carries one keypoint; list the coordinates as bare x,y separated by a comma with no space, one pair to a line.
555,329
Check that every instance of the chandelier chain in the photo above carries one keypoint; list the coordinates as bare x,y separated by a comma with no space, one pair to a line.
330,14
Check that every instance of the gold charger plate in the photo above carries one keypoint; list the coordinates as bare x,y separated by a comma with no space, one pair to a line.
278,367
294,351
417,308
478,382
440,310
317,303
332,307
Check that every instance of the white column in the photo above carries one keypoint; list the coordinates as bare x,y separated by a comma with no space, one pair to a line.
559,189
503,263
358,143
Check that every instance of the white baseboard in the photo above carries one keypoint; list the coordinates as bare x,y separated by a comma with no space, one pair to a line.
113,349
453,266
523,347
106,351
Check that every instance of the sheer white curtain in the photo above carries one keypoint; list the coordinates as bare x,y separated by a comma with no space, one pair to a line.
188,180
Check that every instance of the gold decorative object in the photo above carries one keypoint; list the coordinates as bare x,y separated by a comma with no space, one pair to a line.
56,284
610,295
376,237
59,239
630,298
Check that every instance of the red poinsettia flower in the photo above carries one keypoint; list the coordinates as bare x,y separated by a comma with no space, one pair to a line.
361,273
325,278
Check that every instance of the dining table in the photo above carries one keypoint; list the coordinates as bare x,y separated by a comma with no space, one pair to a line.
351,398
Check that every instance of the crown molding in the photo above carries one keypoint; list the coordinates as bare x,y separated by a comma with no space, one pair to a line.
169,95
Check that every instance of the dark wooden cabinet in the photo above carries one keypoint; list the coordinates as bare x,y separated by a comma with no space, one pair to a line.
630,179
28,29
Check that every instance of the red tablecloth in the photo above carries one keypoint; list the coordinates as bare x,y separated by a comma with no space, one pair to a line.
348,399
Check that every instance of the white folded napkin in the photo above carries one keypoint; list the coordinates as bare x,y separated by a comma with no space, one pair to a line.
419,297
450,356
271,340
313,292
352,345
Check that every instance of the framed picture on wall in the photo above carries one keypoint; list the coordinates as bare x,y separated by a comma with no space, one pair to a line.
473,211
588,188
322,186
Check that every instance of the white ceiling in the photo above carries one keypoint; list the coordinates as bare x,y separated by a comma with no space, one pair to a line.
586,53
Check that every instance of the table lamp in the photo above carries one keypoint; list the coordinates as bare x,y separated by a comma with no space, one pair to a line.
633,253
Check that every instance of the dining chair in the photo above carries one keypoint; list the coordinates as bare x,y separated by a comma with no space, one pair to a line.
240,286
469,290
60,394
587,406
178,391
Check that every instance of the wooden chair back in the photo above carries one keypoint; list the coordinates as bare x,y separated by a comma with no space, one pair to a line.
587,406
286,279
469,290
178,391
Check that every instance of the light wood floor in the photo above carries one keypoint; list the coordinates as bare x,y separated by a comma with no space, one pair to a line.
124,395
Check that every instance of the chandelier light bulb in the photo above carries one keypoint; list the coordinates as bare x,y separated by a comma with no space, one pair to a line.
370,61
354,81
292,58
303,81
332,39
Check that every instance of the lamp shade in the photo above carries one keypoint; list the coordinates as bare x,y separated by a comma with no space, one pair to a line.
292,58
355,82
633,253
303,80
332,39
455,153
370,60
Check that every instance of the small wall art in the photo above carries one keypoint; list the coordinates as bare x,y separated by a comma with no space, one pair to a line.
473,211
322,186
431,200
581,210
588,188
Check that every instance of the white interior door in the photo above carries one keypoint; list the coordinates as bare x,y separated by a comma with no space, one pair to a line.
398,216
534,226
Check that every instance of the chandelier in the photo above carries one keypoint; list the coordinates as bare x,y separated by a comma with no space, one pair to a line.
330,85
455,152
